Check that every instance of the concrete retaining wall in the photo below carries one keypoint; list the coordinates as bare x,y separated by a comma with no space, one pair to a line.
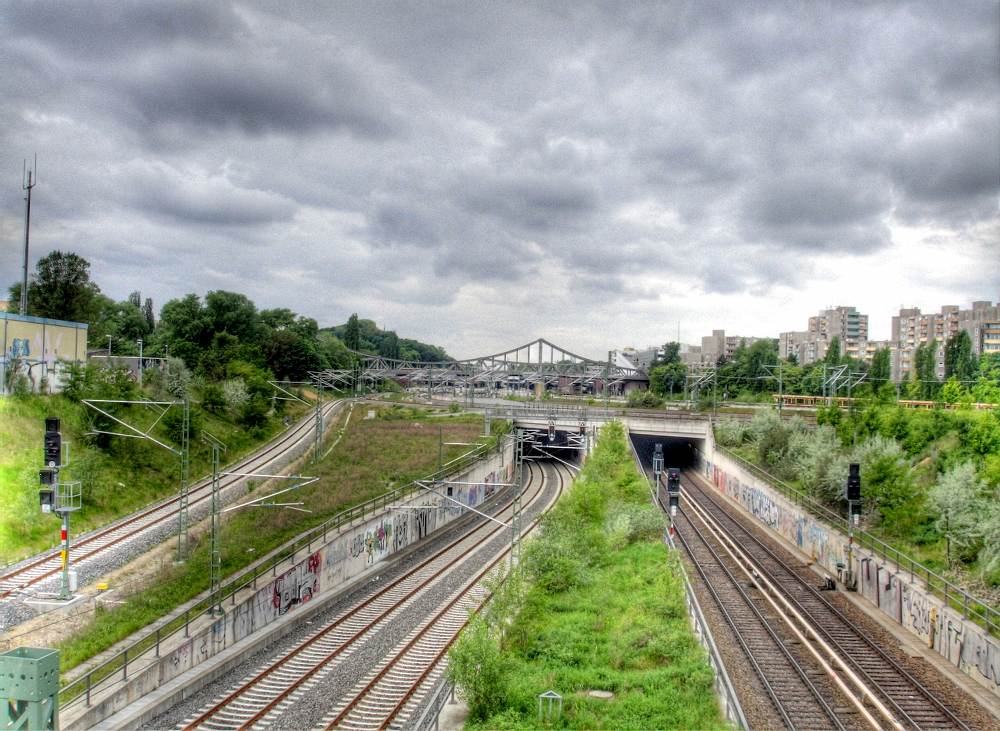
351,553
906,600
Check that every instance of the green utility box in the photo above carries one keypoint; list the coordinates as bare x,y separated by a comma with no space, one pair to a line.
29,688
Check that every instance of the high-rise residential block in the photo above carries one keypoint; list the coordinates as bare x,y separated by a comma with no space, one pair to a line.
849,326
911,329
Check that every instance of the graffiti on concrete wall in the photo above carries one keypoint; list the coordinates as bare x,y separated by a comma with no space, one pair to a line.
967,646
916,612
797,527
297,585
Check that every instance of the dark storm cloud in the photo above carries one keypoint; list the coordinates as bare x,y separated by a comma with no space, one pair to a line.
217,91
530,202
98,30
410,151
816,210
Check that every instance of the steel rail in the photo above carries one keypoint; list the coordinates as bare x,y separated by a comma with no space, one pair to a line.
779,703
247,686
825,655
428,625
834,620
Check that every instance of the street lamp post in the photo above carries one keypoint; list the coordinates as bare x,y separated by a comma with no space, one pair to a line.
140,362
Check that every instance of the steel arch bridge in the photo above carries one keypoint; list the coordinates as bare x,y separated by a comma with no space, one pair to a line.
537,362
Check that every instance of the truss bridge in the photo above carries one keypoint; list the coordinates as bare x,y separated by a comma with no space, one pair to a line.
538,364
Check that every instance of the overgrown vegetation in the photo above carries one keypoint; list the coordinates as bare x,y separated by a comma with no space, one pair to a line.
930,479
597,604
374,455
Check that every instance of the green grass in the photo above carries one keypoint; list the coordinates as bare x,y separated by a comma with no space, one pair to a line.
375,455
116,480
625,631
598,604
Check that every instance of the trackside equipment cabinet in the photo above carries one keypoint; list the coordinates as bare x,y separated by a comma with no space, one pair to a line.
29,689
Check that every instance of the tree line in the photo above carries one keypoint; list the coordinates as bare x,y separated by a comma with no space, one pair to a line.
756,369
213,335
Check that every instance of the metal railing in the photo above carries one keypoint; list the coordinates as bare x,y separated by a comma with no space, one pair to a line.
443,693
118,664
954,596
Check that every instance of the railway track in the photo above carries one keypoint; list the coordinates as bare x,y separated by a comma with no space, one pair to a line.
827,648
89,546
282,682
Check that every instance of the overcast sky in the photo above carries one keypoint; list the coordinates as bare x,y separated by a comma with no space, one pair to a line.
480,174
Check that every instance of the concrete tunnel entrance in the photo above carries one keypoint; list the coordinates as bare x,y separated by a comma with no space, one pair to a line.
682,452
563,445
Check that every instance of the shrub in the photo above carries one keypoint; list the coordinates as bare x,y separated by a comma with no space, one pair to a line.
212,398
631,522
253,415
177,378
235,393
731,433
644,400
480,669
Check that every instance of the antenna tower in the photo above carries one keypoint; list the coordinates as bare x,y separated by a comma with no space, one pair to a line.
29,179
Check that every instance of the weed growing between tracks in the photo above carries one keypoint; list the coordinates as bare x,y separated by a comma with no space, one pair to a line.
596,605
375,455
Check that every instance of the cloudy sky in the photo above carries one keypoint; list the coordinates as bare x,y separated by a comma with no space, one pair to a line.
477,174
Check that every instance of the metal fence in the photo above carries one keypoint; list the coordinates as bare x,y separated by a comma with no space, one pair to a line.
972,607
117,666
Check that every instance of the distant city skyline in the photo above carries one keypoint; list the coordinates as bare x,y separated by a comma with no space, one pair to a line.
591,173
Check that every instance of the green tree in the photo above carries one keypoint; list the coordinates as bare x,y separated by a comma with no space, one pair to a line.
352,335
668,378
954,392
60,288
833,352
184,328
147,312
925,370
233,313
333,350
390,346
880,370
671,354
958,360
959,499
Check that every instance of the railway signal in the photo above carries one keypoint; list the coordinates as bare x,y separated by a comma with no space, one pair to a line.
52,442
853,495
58,497
673,489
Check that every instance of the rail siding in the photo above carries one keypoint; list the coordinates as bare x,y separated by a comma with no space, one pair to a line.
897,593
345,556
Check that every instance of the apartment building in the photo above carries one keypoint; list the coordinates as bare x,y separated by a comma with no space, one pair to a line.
989,337
911,328
718,344
845,323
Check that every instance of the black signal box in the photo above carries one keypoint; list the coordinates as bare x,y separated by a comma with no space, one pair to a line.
854,482
673,480
46,499
47,477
